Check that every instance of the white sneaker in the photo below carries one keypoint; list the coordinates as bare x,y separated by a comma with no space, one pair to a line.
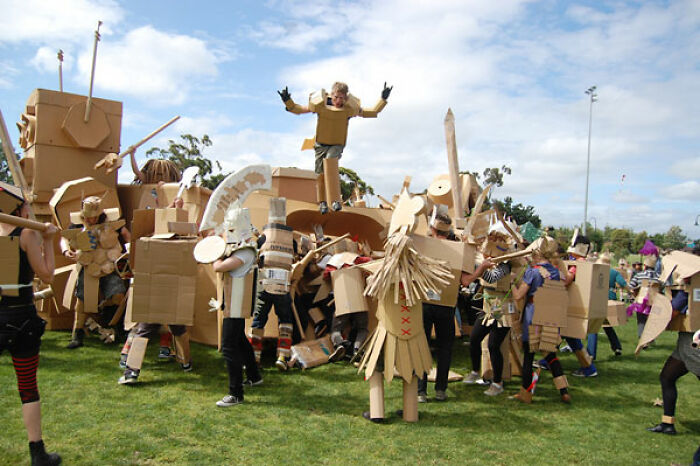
471,378
494,390
229,400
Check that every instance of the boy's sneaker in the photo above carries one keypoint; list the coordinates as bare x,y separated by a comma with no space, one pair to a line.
422,397
440,395
589,371
281,364
494,390
336,206
338,354
323,207
542,364
130,376
251,383
164,353
566,349
471,378
187,367
122,361
229,400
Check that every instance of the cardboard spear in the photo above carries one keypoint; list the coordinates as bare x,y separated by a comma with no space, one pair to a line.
113,161
453,165
92,72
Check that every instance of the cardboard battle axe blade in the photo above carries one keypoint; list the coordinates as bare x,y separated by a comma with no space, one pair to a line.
188,180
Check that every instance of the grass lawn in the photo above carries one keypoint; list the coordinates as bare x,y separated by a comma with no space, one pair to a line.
314,416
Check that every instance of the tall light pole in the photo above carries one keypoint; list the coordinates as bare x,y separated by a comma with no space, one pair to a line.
595,224
593,98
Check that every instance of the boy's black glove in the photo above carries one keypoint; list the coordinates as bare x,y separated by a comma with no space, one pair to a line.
284,94
385,92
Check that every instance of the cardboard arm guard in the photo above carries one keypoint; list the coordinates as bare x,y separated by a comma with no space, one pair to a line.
293,107
374,111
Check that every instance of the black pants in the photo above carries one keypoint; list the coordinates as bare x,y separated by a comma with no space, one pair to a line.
283,309
145,330
237,353
529,358
496,336
443,318
673,370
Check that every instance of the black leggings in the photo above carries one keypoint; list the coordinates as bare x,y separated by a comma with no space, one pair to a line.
496,336
672,371
528,359
237,352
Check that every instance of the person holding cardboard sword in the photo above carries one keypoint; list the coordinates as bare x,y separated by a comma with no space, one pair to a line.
20,326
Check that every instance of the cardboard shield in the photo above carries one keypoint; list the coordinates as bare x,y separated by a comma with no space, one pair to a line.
659,317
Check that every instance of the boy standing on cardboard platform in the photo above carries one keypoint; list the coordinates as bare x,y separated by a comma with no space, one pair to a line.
106,244
334,112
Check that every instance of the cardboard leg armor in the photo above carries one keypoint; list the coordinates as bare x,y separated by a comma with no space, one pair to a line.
332,180
410,400
284,342
668,419
79,320
584,359
137,352
320,188
376,395
256,341
182,348
560,382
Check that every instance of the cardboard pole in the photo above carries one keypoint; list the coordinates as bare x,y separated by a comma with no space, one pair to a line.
60,70
92,72
453,166
13,164
376,395
410,400
22,222
386,202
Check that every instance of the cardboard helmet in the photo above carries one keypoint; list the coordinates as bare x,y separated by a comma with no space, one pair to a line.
440,220
605,259
650,261
11,198
546,247
580,245
497,240
91,207
237,226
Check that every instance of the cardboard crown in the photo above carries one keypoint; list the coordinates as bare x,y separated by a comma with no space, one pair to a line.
91,207
10,198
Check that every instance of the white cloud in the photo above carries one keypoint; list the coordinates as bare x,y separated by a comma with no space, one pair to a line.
687,168
688,191
627,197
56,23
152,64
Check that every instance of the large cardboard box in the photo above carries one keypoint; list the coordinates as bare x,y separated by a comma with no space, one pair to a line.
551,301
617,313
313,353
576,327
164,216
294,183
195,199
459,256
164,282
588,294
348,291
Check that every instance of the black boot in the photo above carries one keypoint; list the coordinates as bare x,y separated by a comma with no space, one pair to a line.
77,341
40,457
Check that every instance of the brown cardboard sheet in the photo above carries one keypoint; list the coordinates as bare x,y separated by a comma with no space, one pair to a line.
588,293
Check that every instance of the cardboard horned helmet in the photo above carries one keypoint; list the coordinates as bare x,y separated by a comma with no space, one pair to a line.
497,242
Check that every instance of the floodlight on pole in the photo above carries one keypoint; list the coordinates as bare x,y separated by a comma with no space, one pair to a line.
593,98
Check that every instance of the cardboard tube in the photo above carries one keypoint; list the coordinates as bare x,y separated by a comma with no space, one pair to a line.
320,188
410,400
22,222
376,395
137,352
332,178
560,382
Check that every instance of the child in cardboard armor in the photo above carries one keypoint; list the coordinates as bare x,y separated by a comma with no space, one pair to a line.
578,251
277,249
334,112
238,291
101,244
541,269
20,326
495,320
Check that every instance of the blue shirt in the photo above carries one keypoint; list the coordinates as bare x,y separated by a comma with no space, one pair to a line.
615,279
680,302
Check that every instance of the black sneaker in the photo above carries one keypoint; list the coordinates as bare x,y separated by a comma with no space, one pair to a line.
336,206
131,376
663,428
337,355
164,354
229,400
251,383
187,367
376,420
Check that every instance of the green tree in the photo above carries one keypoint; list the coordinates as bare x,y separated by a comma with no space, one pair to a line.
495,175
349,179
621,241
189,153
674,238
5,174
639,240
518,212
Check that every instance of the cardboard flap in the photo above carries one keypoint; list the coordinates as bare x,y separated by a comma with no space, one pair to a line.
69,197
680,263
659,317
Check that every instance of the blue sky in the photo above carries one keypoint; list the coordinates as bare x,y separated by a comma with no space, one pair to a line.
514,72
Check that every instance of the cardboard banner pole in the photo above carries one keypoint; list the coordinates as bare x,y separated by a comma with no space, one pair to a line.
13,164
92,72
453,166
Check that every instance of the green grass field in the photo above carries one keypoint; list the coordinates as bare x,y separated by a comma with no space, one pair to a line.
314,416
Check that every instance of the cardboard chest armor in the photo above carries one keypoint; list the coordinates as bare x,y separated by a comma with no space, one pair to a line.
240,292
332,123
278,254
